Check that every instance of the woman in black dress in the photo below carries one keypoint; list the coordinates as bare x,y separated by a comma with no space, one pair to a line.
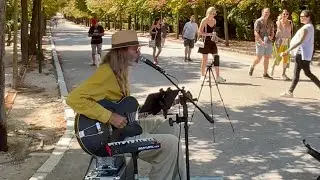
206,29
155,32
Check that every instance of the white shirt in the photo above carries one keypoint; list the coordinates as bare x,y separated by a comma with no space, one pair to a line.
190,30
307,46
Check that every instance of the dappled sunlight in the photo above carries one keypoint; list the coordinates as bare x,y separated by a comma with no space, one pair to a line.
273,174
247,158
201,152
278,119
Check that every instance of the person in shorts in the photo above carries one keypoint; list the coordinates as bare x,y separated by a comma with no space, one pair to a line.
264,33
96,32
189,35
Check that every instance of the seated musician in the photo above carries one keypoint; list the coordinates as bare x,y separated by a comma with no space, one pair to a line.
110,81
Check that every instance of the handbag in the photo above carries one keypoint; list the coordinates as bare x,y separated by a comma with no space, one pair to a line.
152,43
200,42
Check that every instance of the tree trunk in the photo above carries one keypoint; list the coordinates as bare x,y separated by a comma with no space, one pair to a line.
9,32
265,3
177,27
105,22
39,37
24,32
34,28
108,17
313,6
15,46
226,31
141,25
195,13
120,22
135,23
3,127
43,23
129,22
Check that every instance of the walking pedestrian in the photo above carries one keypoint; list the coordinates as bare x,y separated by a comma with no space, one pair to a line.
302,48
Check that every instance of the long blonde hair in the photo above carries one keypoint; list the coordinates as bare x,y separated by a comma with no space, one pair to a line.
211,10
119,63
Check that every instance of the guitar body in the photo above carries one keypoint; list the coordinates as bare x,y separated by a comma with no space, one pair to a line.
93,135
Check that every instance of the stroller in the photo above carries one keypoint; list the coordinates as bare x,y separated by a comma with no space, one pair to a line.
314,153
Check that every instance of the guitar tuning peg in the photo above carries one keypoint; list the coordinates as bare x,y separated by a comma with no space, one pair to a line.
169,89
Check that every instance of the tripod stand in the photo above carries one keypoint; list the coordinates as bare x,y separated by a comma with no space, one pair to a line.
209,72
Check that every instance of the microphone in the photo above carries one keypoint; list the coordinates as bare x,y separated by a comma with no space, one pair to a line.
148,62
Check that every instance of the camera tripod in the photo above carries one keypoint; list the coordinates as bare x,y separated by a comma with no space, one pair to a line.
209,72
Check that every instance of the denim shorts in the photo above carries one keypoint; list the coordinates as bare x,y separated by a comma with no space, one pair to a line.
264,50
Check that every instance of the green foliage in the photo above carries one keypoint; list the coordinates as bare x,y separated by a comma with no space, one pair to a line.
241,13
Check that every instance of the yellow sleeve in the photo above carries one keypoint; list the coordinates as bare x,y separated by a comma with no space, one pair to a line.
83,99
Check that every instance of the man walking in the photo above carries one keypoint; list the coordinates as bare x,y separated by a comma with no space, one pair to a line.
96,32
189,34
264,33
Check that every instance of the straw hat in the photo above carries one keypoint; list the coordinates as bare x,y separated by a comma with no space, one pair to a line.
125,38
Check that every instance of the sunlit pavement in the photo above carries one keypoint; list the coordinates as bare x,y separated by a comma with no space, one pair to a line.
267,142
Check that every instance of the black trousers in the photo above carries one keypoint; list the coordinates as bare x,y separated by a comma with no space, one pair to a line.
305,66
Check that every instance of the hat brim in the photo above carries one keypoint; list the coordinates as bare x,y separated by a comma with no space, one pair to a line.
140,44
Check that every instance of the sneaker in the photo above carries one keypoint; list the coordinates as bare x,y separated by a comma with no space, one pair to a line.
185,59
250,70
287,94
190,60
285,77
201,78
266,76
220,79
92,64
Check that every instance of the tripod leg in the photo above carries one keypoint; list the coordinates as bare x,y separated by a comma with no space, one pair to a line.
210,87
222,102
202,84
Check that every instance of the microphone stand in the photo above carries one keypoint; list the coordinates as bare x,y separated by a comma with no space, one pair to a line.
184,98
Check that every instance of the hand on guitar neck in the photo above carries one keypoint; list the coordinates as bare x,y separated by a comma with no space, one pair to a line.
118,121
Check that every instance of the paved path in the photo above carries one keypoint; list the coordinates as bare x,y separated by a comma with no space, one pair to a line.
268,129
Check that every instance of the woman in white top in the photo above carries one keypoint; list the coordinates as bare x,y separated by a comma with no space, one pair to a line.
301,47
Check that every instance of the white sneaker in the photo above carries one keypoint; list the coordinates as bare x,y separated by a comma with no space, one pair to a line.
220,79
287,95
201,78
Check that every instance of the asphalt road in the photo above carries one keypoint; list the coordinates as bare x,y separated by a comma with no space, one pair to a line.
267,142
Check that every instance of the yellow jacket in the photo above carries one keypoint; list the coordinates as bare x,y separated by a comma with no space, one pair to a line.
101,85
